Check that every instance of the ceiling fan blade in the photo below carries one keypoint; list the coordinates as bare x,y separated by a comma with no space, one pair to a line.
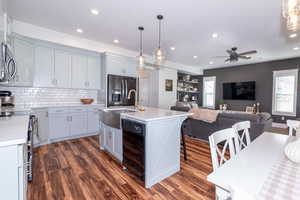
227,60
244,57
229,51
219,56
248,52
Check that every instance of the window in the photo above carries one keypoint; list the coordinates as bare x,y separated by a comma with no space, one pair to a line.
209,87
285,92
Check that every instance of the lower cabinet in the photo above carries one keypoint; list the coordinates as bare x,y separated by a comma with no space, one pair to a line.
71,123
13,181
111,139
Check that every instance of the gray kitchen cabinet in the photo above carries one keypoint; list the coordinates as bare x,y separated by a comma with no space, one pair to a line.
111,140
120,65
78,123
62,69
66,123
43,127
118,144
44,62
93,72
59,125
79,71
13,181
93,123
24,57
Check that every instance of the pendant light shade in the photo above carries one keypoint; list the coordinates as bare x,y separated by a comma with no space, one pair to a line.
158,53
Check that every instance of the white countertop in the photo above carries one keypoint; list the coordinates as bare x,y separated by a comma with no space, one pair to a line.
28,108
13,130
151,114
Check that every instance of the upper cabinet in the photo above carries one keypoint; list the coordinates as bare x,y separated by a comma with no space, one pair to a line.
120,65
44,67
93,72
79,71
62,67
24,57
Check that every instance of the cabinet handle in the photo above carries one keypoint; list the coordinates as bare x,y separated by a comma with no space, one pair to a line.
71,118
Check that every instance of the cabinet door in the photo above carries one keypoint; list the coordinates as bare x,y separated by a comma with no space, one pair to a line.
62,69
9,169
118,144
43,127
120,65
93,121
79,71
44,67
58,125
93,73
24,55
78,123
108,138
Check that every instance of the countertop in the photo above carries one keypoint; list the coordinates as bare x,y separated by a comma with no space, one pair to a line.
13,130
28,108
151,114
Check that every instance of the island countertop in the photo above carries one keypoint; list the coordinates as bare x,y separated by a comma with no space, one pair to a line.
13,130
151,114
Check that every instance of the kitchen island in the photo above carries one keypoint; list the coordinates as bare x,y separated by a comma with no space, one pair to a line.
148,142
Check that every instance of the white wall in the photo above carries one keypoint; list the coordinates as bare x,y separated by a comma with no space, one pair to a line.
41,33
167,99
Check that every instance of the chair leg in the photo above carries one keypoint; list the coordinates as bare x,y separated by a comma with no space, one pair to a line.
183,144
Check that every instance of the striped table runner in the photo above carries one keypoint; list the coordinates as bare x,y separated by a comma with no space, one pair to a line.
283,182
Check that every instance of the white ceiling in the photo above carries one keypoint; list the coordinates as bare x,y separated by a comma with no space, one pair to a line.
188,26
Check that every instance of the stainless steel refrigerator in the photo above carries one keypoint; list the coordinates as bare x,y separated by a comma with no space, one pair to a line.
118,88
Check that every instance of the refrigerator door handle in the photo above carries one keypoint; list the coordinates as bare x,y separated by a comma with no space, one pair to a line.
122,91
126,88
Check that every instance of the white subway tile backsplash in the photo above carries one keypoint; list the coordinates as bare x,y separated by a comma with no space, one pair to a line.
34,96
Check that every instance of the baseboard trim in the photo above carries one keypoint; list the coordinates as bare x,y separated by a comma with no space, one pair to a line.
279,125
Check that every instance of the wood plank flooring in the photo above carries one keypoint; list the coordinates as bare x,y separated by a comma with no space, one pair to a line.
77,169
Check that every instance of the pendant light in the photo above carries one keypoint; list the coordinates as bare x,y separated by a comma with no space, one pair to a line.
158,53
141,58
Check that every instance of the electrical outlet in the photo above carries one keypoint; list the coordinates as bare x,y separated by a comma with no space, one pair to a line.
282,118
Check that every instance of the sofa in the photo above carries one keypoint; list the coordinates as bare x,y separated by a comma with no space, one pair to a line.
202,130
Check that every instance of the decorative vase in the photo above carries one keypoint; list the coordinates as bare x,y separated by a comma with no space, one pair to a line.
292,151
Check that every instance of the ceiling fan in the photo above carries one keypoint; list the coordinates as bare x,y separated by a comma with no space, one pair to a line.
234,56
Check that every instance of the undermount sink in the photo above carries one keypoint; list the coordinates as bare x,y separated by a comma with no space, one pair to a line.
111,117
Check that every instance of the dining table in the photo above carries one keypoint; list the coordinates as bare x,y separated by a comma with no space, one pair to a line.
260,171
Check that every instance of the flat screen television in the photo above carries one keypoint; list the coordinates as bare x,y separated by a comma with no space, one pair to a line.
239,91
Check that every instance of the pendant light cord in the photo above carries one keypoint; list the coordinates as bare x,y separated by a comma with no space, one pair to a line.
141,43
159,36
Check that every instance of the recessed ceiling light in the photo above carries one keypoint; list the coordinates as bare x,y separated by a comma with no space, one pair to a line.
94,11
211,62
293,35
79,30
296,48
215,35
195,57
116,41
172,48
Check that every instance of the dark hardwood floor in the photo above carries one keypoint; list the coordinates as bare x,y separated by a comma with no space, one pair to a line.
77,169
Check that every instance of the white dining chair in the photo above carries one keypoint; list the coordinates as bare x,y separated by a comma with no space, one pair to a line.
242,131
226,140
293,125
